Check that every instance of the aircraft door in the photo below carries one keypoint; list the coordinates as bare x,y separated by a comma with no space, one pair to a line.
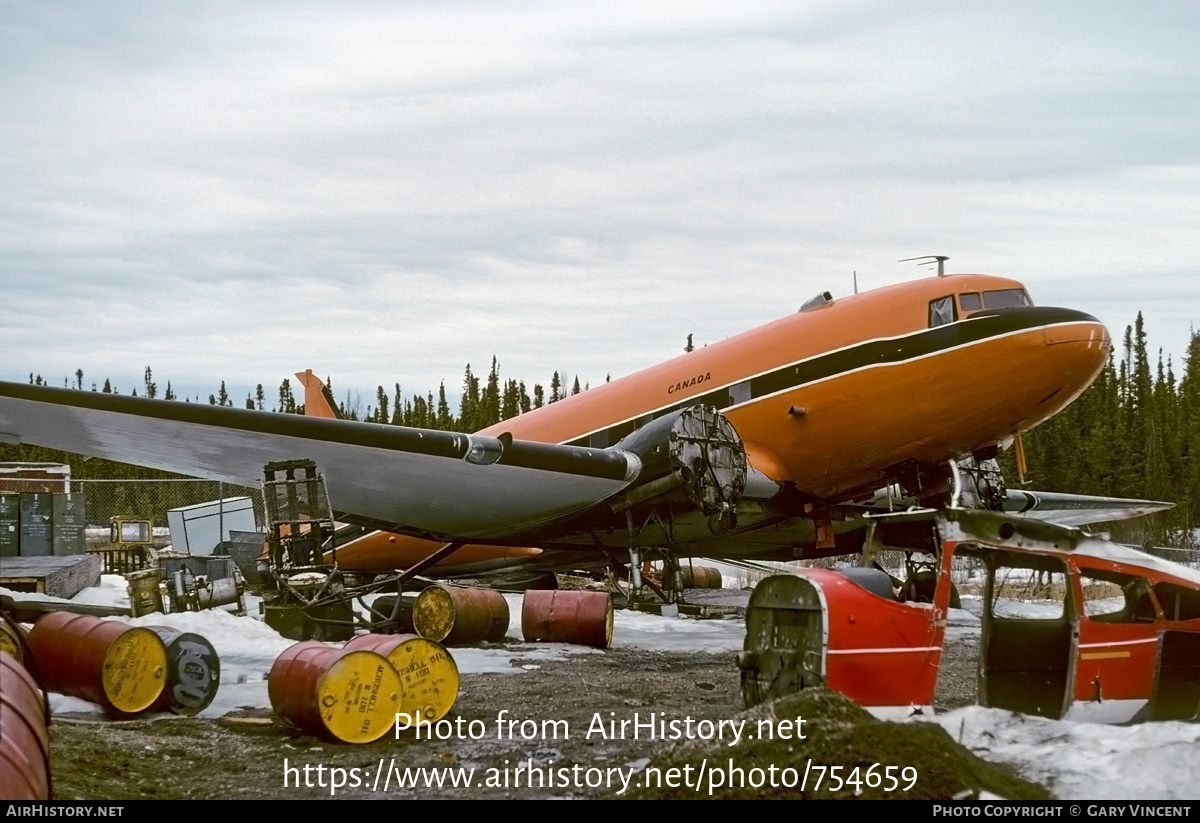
1030,633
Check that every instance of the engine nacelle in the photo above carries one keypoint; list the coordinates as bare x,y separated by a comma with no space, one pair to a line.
695,449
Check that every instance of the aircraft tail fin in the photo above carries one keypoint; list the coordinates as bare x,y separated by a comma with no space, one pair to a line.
318,400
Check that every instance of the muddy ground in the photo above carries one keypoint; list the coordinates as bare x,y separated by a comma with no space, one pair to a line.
244,756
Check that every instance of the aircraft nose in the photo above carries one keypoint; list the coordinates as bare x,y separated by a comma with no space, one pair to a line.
1072,326
1079,346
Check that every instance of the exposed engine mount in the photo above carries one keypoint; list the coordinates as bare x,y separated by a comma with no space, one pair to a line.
694,449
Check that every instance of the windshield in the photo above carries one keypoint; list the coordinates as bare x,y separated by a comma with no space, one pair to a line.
1006,299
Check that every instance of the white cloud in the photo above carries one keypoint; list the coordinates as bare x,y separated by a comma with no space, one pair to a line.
386,193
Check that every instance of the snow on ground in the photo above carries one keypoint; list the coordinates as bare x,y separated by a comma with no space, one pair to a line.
1074,760
1086,761
247,647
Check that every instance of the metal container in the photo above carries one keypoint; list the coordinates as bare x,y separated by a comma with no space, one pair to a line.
10,525
24,746
193,672
699,577
37,513
120,667
351,695
428,674
454,616
584,618
12,640
145,596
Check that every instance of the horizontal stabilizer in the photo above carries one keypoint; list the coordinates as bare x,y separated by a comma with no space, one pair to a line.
1078,509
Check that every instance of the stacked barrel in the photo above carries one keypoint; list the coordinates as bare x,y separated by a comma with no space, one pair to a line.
24,744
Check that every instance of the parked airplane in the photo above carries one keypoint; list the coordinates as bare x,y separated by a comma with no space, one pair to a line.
770,444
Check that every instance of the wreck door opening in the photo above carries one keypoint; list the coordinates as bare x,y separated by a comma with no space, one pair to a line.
1177,680
1026,662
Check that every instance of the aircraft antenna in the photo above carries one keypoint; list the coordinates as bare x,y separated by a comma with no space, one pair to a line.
856,281
940,258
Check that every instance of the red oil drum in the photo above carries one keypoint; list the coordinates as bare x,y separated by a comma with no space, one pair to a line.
24,747
120,667
428,674
454,616
351,695
193,672
585,618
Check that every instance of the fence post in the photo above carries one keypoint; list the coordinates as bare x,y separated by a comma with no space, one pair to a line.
220,515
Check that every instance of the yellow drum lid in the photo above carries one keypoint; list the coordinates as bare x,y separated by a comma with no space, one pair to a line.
135,669
358,697
428,678
9,643
434,613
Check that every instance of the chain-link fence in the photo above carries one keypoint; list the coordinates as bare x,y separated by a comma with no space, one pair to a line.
193,514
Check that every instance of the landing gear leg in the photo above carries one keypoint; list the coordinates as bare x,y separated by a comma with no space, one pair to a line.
638,598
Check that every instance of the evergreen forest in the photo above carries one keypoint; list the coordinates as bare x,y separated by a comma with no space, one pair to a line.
1135,432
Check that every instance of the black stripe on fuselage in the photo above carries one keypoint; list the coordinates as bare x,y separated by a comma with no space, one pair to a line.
978,327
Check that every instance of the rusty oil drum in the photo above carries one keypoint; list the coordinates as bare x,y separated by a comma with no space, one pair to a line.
24,746
453,616
584,618
428,674
699,577
193,672
348,695
120,667
145,594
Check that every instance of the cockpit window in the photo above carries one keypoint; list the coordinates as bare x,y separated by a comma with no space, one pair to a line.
1006,299
970,301
941,311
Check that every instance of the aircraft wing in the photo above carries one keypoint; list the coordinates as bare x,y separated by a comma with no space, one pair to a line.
435,484
1078,509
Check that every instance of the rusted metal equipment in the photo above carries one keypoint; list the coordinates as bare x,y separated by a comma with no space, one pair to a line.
581,617
396,612
428,674
453,615
119,667
348,695
193,672
129,549
24,746
145,595
309,600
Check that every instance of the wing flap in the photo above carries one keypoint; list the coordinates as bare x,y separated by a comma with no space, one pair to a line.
442,485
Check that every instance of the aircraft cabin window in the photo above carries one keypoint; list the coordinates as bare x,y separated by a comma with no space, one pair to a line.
1111,597
941,311
1006,299
970,301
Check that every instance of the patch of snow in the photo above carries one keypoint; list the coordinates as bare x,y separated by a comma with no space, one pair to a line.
1085,761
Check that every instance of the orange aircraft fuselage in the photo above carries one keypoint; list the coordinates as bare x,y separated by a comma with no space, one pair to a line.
829,398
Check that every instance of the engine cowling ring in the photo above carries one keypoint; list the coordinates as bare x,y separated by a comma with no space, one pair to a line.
699,446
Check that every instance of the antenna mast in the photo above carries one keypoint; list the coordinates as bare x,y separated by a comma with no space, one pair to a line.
940,258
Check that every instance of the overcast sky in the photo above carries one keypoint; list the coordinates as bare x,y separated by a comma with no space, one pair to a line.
386,192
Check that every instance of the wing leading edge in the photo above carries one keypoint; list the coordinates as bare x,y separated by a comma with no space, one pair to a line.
435,484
